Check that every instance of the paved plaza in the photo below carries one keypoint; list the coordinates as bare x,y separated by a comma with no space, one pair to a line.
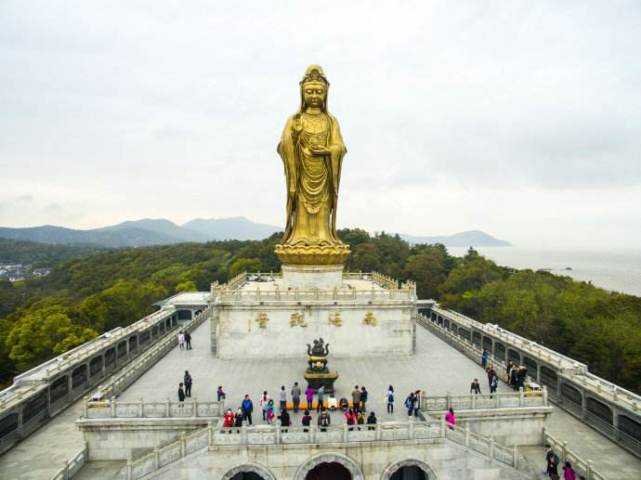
436,368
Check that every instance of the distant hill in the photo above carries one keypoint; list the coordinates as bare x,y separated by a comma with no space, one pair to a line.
471,238
40,254
146,232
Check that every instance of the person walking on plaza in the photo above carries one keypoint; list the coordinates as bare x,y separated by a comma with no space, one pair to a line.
410,401
324,420
494,383
296,397
282,399
350,418
188,382
264,400
417,402
356,398
475,387
181,340
285,421
238,419
371,421
268,411
450,419
306,420
389,398
309,396
247,407
360,419
364,397
228,421
220,393
181,395
484,356
321,398
552,463
188,340
568,472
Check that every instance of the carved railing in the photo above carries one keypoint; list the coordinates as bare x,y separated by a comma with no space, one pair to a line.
521,399
73,466
141,409
582,467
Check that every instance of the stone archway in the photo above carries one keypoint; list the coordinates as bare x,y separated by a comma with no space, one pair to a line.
329,458
389,472
252,469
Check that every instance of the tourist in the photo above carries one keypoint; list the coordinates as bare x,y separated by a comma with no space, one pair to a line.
371,421
309,396
264,401
188,340
296,397
364,396
350,418
188,382
268,411
181,395
306,420
181,340
409,404
552,463
475,387
324,420
484,356
220,394
450,419
238,419
343,404
228,421
360,419
568,472
356,398
494,383
417,402
285,421
389,397
321,398
283,399
248,408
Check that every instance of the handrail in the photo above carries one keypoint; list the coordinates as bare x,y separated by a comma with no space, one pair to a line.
581,466
521,399
142,409
73,466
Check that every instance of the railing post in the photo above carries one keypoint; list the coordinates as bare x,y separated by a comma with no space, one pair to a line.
141,409
345,433
515,457
156,458
113,408
210,433
277,434
564,451
588,470
244,438
65,472
521,397
168,408
467,437
183,445
545,396
379,433
492,448
443,427
195,412
411,428
473,398
86,407
130,469
312,433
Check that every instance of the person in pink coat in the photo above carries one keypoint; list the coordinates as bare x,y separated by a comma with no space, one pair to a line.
309,395
450,419
568,472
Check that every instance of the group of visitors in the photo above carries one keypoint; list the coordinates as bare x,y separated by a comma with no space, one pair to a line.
516,375
552,461
184,340
184,387
413,403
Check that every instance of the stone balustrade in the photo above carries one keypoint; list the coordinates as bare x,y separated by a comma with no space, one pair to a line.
582,467
612,410
521,399
264,435
73,466
141,409
43,392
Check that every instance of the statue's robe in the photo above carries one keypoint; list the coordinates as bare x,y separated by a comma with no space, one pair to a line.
312,181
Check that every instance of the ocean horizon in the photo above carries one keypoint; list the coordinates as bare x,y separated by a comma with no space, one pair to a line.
617,270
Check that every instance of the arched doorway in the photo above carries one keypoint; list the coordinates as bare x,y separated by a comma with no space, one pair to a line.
329,471
247,476
248,472
411,472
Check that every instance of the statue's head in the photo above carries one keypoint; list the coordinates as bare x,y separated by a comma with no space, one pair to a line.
313,88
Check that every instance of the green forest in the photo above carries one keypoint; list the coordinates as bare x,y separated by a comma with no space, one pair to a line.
97,291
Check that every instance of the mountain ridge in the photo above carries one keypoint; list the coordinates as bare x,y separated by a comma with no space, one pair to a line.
160,231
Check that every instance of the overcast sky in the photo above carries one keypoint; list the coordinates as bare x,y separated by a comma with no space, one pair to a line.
522,119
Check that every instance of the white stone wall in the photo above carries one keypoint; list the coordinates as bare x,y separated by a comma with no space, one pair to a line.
237,332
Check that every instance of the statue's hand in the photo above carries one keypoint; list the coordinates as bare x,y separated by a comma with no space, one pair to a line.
319,150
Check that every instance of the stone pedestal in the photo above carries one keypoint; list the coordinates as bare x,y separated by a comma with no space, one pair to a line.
312,276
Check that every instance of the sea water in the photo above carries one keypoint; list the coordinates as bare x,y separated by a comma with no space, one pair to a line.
613,270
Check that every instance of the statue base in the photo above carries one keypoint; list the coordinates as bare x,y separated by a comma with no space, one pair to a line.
317,380
312,276
312,254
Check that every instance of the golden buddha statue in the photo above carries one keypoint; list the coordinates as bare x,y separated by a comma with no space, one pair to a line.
312,150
